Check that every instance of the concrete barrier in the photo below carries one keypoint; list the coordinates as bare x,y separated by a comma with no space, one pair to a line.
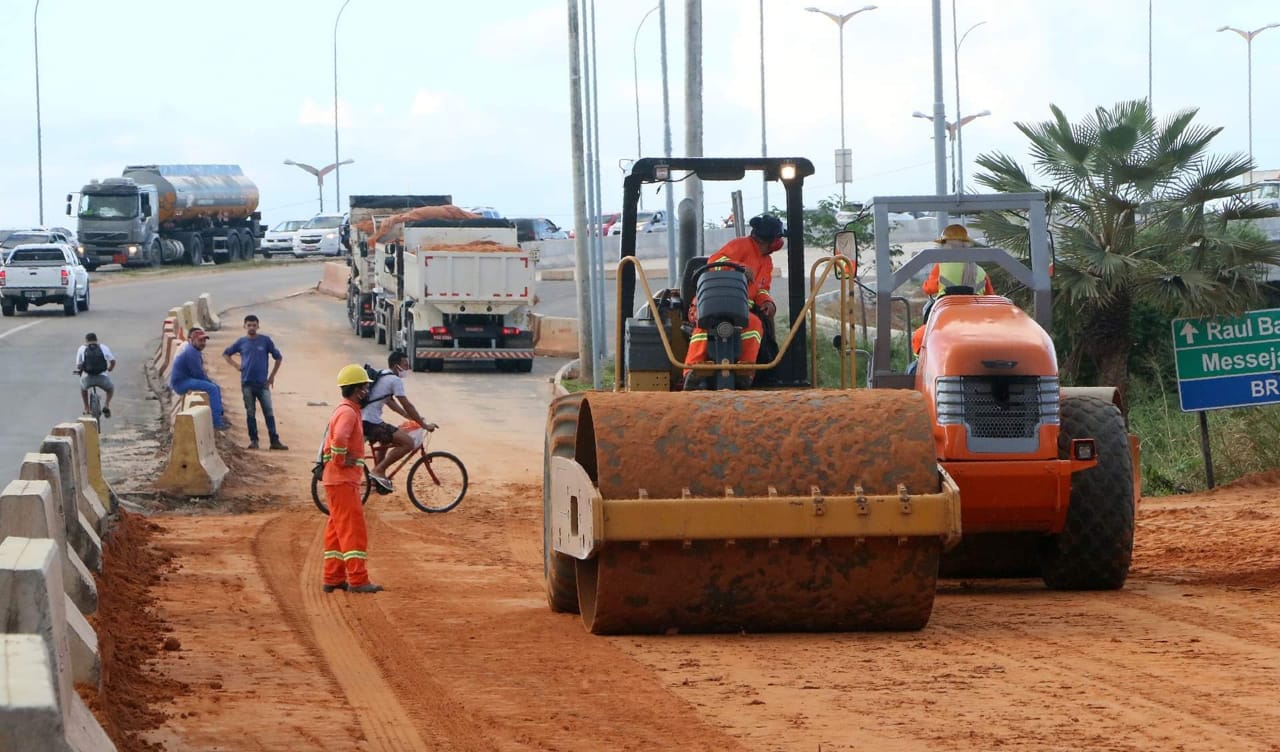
194,467
333,280
185,401
555,336
163,352
93,459
73,493
32,509
205,313
172,347
95,506
190,314
82,538
39,707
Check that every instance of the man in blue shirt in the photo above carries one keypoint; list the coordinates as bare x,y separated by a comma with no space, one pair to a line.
255,382
187,375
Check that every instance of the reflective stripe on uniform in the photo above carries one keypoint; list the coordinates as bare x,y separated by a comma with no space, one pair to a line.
750,334
355,555
333,554
698,337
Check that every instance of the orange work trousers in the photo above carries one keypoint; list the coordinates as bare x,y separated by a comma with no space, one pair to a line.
345,537
751,338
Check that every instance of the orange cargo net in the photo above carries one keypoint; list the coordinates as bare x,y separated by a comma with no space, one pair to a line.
478,246
448,211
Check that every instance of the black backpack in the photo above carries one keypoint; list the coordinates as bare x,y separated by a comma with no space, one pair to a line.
94,361
374,374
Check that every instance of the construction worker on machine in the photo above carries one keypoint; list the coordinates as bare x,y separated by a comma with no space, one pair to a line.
345,538
950,275
752,252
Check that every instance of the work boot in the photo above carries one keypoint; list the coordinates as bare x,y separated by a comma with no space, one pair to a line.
253,444
368,587
330,588
277,445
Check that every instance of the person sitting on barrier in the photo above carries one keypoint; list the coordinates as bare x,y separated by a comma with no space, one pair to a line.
93,362
388,389
752,252
951,277
346,539
187,374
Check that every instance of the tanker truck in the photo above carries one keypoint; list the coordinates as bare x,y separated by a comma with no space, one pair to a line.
156,214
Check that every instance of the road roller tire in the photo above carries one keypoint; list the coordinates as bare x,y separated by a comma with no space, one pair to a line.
656,444
1095,548
558,569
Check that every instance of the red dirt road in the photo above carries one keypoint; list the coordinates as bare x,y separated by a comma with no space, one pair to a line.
461,652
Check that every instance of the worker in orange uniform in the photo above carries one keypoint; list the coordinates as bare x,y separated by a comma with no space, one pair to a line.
752,252
345,537
952,274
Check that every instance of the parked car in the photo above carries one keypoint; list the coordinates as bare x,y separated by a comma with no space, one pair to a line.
488,212
646,221
279,239
15,238
321,235
537,228
605,222
37,274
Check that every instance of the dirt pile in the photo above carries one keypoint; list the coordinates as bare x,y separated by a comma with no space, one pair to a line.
130,635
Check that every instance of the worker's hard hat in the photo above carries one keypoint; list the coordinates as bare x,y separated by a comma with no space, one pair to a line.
352,374
767,227
954,232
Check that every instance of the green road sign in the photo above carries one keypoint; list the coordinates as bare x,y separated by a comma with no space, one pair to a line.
1228,361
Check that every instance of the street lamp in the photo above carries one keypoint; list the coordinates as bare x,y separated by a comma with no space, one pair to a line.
840,20
337,176
319,173
635,74
953,133
958,159
1248,36
35,33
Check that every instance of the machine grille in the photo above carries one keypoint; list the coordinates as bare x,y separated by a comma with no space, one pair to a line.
998,407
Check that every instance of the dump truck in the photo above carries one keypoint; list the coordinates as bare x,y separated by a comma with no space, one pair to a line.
156,214
448,285
366,218
1048,474
786,508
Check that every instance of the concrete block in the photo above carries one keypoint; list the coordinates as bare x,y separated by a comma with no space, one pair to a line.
31,509
92,507
194,467
333,280
180,322
83,732
86,665
208,315
30,713
189,313
93,459
32,602
555,336
54,464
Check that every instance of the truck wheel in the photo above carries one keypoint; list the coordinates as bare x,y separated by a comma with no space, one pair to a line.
524,365
7,308
1095,547
69,305
195,249
246,245
233,246
353,308
83,304
434,365
153,255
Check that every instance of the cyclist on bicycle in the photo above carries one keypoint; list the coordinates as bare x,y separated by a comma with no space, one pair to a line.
93,362
388,389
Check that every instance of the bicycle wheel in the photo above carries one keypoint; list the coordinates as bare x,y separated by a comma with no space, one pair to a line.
437,482
95,407
317,493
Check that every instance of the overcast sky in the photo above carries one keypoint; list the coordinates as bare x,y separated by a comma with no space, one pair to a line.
472,98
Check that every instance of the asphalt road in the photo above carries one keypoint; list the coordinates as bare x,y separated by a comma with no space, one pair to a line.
37,348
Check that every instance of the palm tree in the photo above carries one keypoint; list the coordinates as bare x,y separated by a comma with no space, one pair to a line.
1130,206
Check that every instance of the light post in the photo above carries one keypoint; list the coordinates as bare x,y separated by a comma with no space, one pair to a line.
35,33
958,158
1248,36
635,75
953,133
337,176
319,173
840,20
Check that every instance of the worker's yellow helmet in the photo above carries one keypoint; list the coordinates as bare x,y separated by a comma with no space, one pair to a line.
352,374
954,232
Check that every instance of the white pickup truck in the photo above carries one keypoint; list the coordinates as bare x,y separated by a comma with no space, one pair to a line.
38,274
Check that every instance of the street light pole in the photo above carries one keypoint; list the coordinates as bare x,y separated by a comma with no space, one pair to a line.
35,32
319,172
764,144
957,159
337,176
953,135
635,74
840,20
1248,36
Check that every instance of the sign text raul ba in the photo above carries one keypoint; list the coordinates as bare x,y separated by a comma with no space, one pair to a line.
1228,361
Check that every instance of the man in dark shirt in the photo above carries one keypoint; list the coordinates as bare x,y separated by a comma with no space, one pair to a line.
255,382
187,374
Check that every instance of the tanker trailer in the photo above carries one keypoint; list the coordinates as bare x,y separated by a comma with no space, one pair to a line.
170,214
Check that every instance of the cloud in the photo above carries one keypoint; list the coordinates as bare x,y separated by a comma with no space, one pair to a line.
313,113
426,103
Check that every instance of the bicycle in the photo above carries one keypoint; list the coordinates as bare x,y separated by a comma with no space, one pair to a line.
96,394
437,480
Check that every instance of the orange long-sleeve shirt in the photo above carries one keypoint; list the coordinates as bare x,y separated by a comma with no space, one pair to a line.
345,439
745,251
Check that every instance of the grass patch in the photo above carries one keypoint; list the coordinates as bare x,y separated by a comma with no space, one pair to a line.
606,380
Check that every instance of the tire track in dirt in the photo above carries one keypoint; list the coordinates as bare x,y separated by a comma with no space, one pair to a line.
278,545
